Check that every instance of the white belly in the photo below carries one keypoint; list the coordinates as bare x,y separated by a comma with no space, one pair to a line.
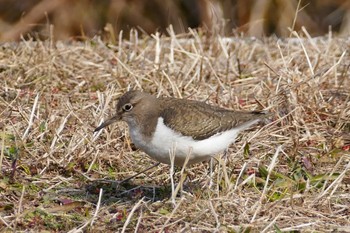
165,141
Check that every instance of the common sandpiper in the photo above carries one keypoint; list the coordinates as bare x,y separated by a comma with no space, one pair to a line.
160,126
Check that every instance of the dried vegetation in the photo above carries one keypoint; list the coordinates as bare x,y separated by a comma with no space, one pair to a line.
291,174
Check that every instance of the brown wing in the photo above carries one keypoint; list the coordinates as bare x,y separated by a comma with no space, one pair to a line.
200,120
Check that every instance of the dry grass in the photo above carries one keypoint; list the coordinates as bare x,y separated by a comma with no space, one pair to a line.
292,174
83,19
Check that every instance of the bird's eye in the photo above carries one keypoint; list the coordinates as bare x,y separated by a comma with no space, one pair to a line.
127,107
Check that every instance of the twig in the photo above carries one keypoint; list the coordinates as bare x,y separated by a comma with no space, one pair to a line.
131,214
30,123
263,194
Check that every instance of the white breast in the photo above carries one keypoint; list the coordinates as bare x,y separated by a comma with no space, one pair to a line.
166,140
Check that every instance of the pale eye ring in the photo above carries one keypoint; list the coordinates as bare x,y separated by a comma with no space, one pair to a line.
127,107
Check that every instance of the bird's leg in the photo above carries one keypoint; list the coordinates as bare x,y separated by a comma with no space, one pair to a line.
225,154
211,165
172,173
183,175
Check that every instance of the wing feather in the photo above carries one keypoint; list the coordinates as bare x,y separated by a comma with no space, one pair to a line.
200,120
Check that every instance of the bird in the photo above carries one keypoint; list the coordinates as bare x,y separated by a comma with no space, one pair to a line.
160,126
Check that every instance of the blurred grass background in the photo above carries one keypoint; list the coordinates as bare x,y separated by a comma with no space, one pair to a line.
64,19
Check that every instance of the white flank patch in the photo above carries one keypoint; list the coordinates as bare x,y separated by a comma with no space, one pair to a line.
166,140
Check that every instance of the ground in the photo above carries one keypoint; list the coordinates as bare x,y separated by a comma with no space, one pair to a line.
290,174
